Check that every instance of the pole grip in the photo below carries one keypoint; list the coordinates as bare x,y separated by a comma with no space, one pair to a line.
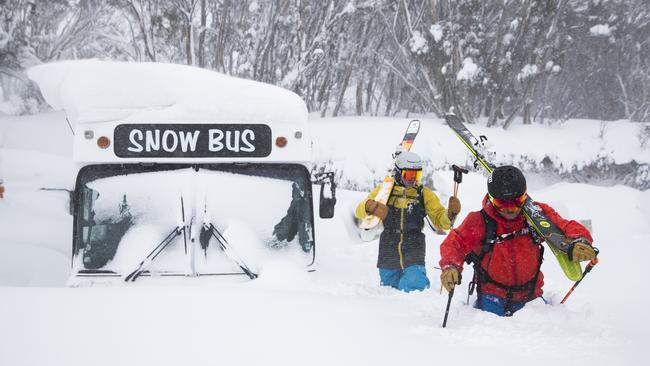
458,173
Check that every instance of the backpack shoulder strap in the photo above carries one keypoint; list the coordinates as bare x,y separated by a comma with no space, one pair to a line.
420,195
490,232
488,240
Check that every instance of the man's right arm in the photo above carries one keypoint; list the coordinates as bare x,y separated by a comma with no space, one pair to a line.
456,246
360,212
461,241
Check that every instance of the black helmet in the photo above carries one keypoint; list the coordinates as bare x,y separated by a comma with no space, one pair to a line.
506,183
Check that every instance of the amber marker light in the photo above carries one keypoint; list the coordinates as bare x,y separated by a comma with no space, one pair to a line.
281,141
103,142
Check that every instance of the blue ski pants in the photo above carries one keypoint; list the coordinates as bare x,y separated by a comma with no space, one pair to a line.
497,305
409,279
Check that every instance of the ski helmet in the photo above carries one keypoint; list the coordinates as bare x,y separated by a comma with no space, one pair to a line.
408,169
408,160
506,183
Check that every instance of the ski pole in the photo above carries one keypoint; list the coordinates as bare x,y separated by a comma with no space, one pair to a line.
451,294
458,179
588,269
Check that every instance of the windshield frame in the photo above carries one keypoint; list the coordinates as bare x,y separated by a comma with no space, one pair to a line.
93,172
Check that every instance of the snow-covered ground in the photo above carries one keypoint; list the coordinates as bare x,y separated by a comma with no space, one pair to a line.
336,315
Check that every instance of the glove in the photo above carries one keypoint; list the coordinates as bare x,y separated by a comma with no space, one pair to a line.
377,208
582,251
450,278
453,208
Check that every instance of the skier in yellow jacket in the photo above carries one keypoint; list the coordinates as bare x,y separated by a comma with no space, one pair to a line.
401,244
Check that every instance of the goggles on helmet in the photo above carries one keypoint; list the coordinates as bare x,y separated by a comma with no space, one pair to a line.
509,205
410,175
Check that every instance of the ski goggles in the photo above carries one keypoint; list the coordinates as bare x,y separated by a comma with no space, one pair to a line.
508,205
409,175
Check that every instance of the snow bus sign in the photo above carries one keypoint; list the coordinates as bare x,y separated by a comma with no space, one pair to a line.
192,140
190,184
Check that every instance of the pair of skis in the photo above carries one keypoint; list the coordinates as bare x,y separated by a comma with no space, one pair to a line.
554,237
370,223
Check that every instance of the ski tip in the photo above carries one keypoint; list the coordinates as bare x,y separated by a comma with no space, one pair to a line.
450,114
451,118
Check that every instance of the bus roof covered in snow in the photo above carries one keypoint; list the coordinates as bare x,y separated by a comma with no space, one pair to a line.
153,112
183,171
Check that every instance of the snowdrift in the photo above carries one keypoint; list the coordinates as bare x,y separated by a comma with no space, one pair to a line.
161,92
606,153
338,314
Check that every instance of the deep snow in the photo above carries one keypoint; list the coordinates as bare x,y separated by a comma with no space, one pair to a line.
337,314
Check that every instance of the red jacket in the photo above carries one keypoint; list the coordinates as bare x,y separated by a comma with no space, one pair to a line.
512,262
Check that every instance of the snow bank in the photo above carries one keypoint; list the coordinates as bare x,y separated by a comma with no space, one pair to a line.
338,314
578,150
92,90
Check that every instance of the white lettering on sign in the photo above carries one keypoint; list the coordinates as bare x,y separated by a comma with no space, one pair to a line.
188,140
167,145
234,140
215,137
246,137
132,139
155,140
232,144
152,142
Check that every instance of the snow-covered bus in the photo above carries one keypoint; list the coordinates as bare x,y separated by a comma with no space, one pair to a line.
183,172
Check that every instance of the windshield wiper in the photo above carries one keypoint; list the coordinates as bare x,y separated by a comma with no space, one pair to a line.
230,252
160,247
154,253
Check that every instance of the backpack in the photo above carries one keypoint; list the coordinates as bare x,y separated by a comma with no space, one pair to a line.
490,240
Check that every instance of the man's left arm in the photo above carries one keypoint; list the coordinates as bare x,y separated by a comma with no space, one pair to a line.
435,210
580,238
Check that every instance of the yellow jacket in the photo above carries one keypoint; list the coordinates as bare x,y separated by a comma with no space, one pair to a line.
401,197
402,243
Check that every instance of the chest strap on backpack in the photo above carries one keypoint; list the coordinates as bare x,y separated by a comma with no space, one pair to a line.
480,274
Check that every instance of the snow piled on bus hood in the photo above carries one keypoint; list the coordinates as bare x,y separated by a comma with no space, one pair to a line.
94,91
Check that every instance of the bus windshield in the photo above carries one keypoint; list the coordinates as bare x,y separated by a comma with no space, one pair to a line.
198,214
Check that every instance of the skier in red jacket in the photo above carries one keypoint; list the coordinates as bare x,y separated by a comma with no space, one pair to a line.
506,252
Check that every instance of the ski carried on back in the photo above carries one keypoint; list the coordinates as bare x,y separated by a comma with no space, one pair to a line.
370,222
554,237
